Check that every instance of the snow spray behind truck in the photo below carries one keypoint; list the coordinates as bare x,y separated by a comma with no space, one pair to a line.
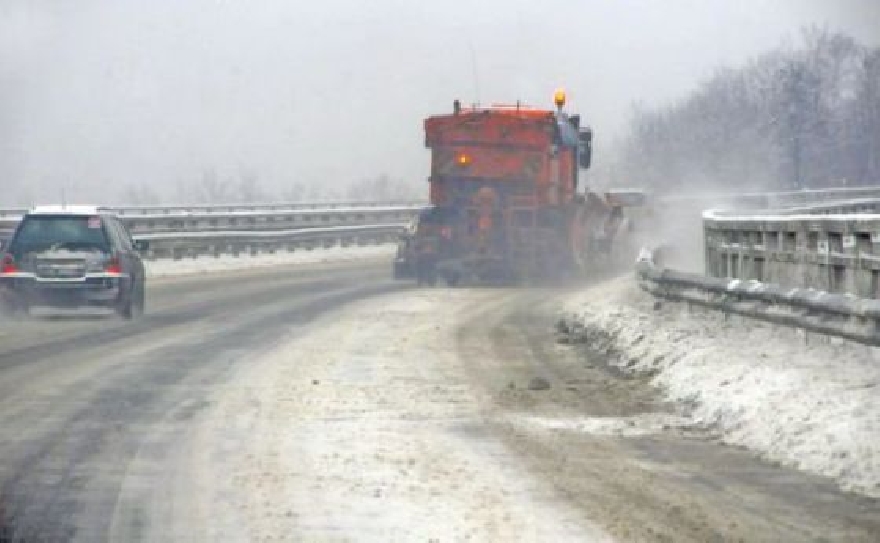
506,201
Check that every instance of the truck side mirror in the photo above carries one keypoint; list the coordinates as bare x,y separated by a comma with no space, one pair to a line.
585,147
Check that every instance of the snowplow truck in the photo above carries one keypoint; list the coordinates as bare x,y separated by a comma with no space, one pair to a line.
505,200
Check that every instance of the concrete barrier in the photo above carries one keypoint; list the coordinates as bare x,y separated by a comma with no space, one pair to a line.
839,253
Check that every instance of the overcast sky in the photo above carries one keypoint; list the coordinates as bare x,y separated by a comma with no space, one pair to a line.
94,94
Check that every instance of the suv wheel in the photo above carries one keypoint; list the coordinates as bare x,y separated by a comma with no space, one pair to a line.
132,304
125,307
140,299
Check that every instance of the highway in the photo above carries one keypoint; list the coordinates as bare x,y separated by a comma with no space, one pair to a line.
326,402
82,402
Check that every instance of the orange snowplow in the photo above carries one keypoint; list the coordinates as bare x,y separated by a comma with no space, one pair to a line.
506,198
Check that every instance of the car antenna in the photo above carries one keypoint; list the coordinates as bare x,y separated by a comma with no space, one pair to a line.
63,199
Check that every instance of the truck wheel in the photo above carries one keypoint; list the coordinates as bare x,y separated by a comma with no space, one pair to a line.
426,274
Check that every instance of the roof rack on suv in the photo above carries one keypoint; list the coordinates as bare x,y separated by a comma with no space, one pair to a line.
68,210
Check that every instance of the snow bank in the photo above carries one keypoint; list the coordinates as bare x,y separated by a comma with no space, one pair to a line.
208,264
801,400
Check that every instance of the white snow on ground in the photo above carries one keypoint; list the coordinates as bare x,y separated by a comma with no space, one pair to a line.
802,400
209,264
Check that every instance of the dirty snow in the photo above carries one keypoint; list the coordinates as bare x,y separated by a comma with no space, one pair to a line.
209,264
366,427
637,425
799,399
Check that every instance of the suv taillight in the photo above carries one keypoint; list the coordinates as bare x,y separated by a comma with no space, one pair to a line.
113,265
8,265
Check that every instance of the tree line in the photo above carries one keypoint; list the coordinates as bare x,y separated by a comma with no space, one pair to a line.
797,117
248,189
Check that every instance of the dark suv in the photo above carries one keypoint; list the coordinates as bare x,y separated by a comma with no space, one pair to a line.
72,257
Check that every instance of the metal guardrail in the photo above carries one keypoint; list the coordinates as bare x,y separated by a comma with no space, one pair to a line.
770,200
256,220
836,207
740,200
269,235
176,232
179,245
267,220
827,242
178,209
270,206
838,315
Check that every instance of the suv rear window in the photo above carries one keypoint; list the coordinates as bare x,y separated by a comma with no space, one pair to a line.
42,232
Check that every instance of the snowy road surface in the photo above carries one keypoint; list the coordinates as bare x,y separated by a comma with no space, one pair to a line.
326,403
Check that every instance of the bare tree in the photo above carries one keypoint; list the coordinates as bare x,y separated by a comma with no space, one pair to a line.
383,187
249,189
791,118
212,189
140,194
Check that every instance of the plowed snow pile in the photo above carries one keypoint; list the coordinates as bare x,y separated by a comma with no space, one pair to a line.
802,400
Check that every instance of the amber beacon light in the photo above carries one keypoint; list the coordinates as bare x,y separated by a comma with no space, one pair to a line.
559,98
